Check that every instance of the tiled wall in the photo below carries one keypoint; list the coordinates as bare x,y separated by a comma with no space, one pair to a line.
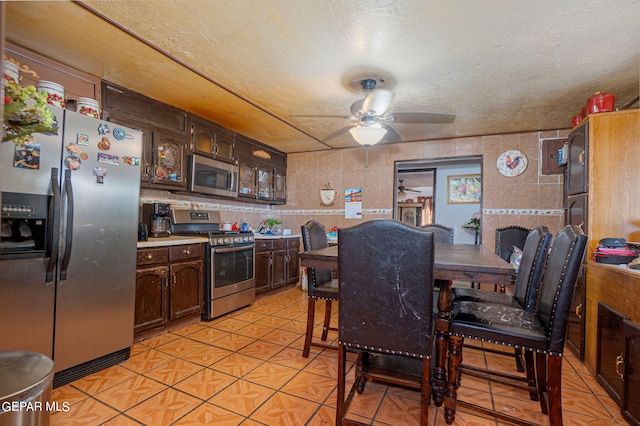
527,200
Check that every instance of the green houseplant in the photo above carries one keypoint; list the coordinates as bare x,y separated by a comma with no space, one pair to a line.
25,113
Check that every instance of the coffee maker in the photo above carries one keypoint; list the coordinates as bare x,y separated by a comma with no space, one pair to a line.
157,218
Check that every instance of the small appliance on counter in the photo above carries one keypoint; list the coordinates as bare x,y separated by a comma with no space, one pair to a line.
143,232
157,217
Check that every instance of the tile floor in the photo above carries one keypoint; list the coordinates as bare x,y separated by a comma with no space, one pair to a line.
246,368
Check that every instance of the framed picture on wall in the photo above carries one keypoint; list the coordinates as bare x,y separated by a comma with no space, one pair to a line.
464,189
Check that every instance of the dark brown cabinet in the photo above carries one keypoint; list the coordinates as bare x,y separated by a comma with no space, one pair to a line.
609,370
169,286
618,360
631,401
212,140
151,289
576,323
577,164
276,262
166,135
262,172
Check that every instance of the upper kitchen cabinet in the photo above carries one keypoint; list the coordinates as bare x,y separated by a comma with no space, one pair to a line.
35,67
166,140
212,140
262,171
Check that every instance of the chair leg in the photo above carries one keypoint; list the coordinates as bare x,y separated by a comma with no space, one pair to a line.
541,376
361,371
311,309
517,353
555,389
342,366
531,373
425,392
455,356
327,319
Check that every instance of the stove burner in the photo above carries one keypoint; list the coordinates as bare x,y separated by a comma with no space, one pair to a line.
207,224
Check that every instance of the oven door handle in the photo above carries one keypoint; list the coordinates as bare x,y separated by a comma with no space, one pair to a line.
232,249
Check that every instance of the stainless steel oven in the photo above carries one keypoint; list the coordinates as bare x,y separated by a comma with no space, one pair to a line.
231,273
209,176
229,261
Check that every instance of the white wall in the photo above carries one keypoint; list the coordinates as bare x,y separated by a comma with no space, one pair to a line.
455,215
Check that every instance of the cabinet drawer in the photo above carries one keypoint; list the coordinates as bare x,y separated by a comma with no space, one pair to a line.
152,256
279,244
263,245
293,243
189,251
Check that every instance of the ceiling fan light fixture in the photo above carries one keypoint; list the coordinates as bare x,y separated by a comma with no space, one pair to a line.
368,135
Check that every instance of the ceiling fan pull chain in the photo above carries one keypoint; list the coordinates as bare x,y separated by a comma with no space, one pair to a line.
366,157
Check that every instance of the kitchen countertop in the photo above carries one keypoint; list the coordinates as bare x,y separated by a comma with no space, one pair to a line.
274,237
174,240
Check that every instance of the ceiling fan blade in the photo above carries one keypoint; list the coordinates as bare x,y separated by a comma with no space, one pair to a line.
338,132
423,117
392,135
320,116
411,190
356,107
377,102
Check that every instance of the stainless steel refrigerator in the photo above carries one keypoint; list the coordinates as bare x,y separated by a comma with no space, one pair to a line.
68,243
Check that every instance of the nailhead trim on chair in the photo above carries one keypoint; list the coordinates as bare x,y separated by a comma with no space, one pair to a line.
388,351
553,312
497,342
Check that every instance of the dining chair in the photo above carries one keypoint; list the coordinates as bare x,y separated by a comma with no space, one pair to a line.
508,237
385,309
525,292
441,233
321,285
542,333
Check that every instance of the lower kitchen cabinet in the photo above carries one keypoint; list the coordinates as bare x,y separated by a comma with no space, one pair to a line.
576,324
613,334
631,401
169,286
276,262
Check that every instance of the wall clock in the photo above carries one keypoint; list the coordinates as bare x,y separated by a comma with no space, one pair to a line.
512,163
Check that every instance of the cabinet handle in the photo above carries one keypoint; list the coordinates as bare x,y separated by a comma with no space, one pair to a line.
175,280
581,157
186,251
579,310
149,256
620,363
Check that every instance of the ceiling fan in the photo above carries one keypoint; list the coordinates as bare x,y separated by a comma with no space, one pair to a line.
402,190
372,121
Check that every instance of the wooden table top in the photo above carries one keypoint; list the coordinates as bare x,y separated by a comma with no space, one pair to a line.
461,262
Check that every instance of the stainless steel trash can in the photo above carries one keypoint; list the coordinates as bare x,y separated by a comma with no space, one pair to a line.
25,388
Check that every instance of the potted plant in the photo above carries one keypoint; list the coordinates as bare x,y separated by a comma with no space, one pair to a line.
274,226
25,113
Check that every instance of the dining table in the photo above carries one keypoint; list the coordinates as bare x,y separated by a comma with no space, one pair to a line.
452,262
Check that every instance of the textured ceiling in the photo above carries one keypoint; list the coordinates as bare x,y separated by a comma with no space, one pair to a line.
254,66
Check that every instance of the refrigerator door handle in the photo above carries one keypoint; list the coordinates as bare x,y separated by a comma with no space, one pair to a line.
54,226
68,190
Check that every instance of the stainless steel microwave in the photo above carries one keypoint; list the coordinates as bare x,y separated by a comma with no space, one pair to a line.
209,176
